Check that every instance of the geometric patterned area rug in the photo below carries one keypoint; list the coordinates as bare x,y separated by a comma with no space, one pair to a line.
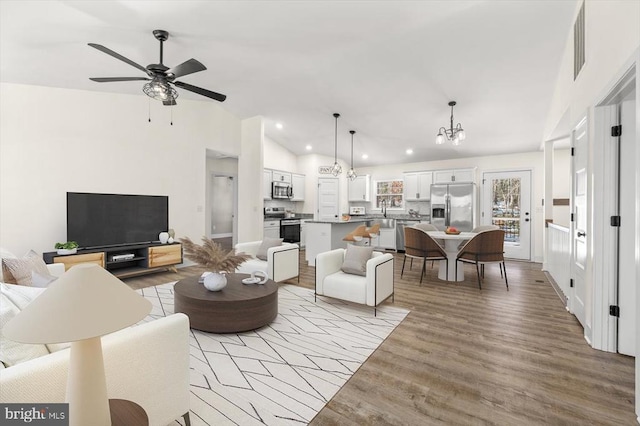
285,372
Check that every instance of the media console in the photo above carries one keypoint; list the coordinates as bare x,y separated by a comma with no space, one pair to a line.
125,261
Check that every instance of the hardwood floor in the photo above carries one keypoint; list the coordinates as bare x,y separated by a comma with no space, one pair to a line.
465,356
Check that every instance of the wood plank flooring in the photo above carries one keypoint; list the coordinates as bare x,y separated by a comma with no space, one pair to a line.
465,356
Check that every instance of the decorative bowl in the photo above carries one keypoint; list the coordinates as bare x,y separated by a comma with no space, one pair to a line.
452,233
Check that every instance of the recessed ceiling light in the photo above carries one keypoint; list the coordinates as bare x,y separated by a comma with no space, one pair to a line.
279,126
308,147
409,151
365,156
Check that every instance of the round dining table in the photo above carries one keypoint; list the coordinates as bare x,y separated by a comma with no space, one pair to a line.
451,243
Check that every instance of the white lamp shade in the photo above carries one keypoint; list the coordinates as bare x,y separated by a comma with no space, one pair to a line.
85,302
462,135
439,139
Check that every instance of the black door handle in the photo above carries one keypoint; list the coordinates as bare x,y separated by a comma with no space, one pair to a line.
526,220
582,234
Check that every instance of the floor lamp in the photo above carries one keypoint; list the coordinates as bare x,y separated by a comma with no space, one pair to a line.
85,303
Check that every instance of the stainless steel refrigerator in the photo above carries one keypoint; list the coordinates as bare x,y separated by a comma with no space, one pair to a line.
453,204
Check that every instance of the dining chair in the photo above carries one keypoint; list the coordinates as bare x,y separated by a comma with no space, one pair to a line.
484,247
480,228
419,245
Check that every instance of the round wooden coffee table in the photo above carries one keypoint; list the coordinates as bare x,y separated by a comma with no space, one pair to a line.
237,307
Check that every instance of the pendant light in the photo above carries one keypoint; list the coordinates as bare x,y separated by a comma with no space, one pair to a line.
336,170
351,174
454,134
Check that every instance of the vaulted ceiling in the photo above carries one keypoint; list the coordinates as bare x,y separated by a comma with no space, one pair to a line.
388,67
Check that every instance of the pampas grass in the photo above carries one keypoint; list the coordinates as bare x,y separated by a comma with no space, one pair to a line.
212,256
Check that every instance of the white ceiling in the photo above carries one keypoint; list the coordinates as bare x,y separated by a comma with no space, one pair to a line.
388,67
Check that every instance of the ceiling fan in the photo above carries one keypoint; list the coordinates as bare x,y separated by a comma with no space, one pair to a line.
160,76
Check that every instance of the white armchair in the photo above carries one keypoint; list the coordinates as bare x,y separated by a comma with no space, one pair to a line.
283,262
371,290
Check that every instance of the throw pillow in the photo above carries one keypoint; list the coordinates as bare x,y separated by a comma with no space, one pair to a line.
355,260
11,352
267,243
41,281
4,254
20,268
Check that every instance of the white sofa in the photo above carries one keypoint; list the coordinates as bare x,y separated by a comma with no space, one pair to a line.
146,363
370,290
283,262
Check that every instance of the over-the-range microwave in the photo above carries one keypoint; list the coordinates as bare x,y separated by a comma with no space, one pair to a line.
281,190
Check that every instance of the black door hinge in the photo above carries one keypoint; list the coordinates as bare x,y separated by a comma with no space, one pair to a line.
616,130
615,220
572,218
614,310
571,282
573,151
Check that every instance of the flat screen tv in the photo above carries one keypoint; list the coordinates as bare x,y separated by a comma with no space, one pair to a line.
100,220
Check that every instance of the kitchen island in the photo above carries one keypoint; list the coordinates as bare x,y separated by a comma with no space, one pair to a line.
323,236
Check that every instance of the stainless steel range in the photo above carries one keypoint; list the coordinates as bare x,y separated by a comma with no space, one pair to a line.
289,227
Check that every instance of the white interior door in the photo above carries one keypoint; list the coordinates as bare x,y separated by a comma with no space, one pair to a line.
626,254
506,202
579,249
328,200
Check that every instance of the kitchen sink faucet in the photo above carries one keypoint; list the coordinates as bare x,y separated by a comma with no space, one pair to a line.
383,207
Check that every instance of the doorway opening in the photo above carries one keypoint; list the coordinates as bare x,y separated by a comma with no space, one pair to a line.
221,199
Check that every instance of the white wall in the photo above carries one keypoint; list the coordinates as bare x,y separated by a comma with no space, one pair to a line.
612,37
58,140
278,157
250,174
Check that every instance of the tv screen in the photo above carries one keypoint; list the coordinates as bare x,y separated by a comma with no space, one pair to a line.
98,220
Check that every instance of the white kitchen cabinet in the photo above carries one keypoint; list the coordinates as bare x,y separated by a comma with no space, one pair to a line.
417,186
266,184
297,183
359,188
454,176
303,233
271,229
281,176
387,238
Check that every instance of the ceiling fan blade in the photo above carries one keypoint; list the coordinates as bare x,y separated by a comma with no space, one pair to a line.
187,67
200,91
110,79
118,56
169,103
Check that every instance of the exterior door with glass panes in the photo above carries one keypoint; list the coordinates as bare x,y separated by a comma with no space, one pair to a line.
506,202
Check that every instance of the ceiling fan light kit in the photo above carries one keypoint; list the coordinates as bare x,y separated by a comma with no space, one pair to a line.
351,174
454,134
336,170
159,76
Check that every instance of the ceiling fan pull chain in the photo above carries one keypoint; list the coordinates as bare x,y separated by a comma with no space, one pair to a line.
172,115
149,100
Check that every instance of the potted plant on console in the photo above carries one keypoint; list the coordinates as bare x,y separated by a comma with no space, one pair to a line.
215,259
70,247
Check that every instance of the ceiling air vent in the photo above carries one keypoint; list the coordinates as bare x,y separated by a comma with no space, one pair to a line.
578,43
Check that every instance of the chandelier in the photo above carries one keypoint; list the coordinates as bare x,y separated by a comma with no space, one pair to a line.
454,134
351,174
337,168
